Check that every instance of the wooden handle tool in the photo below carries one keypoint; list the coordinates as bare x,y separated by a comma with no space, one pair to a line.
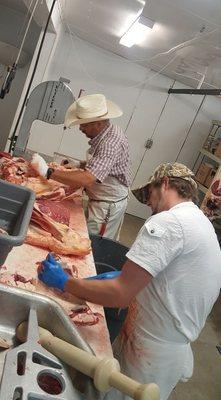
105,372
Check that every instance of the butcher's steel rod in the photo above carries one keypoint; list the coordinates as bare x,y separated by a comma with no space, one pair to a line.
105,372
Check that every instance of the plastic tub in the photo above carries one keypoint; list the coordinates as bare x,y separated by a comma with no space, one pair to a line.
110,255
16,205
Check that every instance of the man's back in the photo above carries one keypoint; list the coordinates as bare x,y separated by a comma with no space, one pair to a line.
183,255
110,156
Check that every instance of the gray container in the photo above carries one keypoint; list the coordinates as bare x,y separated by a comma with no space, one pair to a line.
16,205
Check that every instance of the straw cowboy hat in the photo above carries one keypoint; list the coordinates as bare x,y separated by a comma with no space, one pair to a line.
90,108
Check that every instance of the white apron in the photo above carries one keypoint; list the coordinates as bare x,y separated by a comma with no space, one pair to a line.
107,205
147,358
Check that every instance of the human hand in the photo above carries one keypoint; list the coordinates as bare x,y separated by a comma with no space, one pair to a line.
52,274
70,164
39,165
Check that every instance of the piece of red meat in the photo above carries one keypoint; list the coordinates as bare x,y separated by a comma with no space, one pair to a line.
46,223
20,278
15,170
216,188
5,155
49,384
18,170
84,317
71,270
54,210
56,194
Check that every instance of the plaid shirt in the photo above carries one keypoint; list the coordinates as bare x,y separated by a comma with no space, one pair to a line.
110,156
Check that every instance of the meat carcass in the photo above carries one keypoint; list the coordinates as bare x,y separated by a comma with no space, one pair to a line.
15,170
72,244
57,229
19,171
54,210
55,236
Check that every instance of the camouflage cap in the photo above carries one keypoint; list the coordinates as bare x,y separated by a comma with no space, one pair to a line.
175,170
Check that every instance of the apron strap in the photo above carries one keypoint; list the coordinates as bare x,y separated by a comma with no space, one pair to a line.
108,201
105,222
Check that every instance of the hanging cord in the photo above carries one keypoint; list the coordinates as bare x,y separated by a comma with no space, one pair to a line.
26,32
73,36
8,68
23,25
189,130
196,37
11,70
74,47
31,79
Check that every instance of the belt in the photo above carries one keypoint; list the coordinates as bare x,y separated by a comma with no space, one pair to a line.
109,201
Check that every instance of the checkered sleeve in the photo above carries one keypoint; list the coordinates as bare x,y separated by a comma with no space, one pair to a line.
104,159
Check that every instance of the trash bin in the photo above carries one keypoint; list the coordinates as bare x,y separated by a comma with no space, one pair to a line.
109,255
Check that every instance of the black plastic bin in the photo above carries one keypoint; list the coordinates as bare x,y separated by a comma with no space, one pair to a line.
16,205
110,255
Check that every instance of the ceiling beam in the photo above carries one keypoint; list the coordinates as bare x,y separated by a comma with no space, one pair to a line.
210,92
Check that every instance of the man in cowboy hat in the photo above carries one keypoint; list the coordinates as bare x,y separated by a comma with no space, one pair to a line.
171,280
105,174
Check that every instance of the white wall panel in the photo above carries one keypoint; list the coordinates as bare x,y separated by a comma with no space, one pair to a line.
146,115
170,133
211,109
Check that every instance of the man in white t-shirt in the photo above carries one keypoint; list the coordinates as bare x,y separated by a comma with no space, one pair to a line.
171,280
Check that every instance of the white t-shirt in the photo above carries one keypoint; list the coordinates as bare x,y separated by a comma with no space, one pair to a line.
179,248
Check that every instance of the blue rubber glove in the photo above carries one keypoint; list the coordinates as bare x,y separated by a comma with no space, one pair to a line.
106,275
52,273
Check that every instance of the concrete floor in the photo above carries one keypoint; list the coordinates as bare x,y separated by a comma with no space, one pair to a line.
206,381
130,229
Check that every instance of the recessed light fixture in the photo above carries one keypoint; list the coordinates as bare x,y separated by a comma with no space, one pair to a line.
137,31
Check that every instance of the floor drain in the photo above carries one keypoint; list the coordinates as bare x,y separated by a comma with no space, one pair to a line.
219,349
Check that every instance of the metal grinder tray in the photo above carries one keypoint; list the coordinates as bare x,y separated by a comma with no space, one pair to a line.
28,371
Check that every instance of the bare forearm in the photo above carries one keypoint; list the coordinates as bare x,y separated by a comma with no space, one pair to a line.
75,179
107,293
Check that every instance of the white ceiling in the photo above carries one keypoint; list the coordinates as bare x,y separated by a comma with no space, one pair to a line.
195,23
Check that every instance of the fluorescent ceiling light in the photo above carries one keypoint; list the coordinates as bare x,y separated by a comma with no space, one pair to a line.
137,32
